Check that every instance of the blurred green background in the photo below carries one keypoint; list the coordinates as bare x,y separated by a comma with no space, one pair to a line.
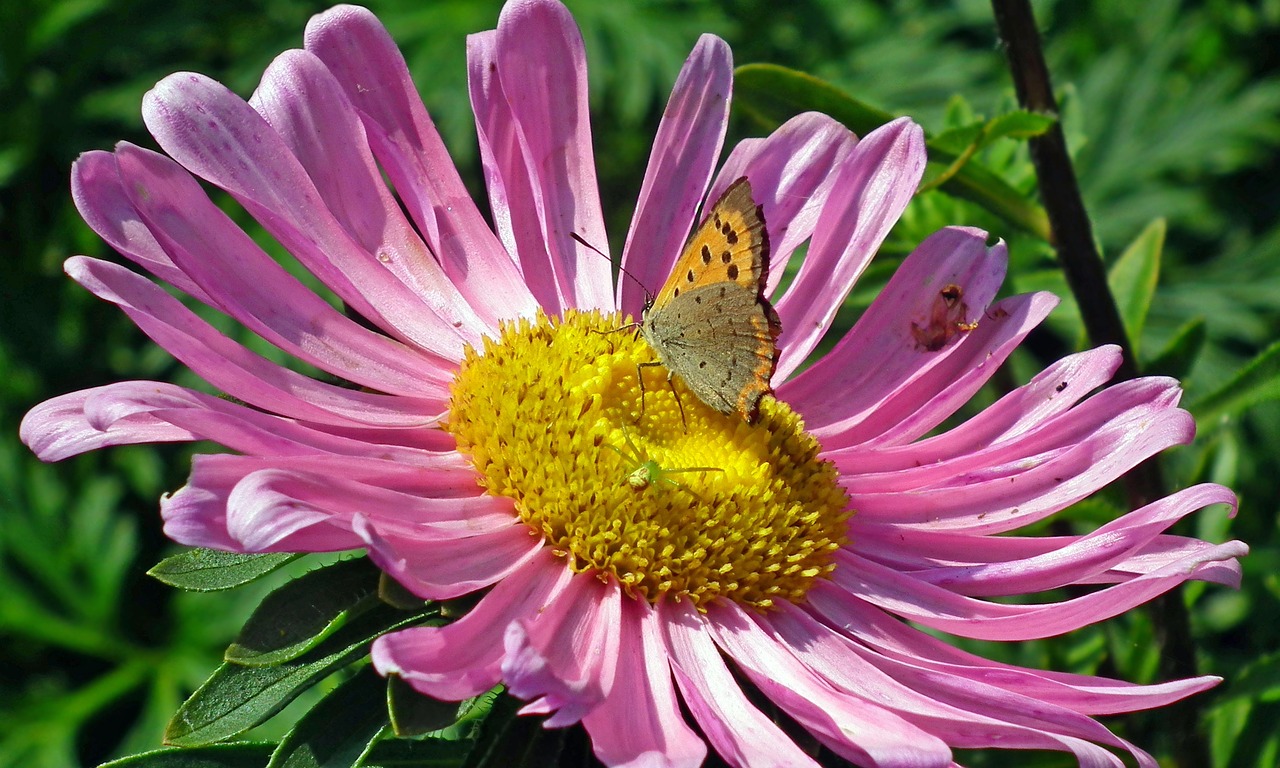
1173,113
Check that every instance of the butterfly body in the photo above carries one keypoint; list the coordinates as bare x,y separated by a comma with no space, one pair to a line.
711,324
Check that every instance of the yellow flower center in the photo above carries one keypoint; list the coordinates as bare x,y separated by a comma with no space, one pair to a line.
621,484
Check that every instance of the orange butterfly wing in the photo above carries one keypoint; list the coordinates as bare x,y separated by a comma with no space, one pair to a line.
711,323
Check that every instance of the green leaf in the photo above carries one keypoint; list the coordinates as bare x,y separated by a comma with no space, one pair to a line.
427,753
1133,279
416,714
1017,124
208,570
1182,351
298,615
510,740
240,755
339,730
236,698
773,94
1257,382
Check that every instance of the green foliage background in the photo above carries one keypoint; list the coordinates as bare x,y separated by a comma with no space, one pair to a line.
1173,111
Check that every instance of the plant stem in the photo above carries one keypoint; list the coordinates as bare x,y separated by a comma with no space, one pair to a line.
1072,237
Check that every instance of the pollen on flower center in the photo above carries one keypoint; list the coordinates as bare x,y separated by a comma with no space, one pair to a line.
702,506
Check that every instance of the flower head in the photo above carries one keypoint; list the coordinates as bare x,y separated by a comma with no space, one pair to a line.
637,545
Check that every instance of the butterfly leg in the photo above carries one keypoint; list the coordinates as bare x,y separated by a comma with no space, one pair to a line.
640,380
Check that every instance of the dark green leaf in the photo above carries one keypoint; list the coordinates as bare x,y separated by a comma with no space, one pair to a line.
510,740
1133,279
298,615
772,95
339,730
416,714
241,755
208,570
1257,382
236,698
427,753
1181,352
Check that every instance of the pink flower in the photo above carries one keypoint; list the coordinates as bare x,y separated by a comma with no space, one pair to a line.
495,425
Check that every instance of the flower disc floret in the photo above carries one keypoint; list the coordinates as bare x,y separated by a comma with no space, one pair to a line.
645,485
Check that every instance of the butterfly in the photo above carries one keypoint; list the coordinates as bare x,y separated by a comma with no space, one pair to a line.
711,324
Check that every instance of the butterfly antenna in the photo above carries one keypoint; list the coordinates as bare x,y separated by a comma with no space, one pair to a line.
648,297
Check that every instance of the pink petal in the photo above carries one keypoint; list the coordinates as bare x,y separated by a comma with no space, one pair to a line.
966,714
235,426
941,609
1051,392
464,658
1042,473
639,722
529,93
101,199
306,106
565,657
855,729
684,153
236,370
884,333
216,135
440,569
740,732
918,406
358,51
1058,562
269,508
196,514
893,639
58,429
873,186
250,286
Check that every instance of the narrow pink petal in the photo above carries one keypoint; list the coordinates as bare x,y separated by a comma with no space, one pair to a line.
565,657
908,408
464,658
965,714
792,173
1051,392
444,569
308,109
238,427
873,628
853,728
101,199
250,286
944,610
58,428
639,722
356,48
973,562
216,135
740,732
236,370
196,514
275,509
873,186
529,94
684,154
885,332
1133,401
920,405
1007,495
